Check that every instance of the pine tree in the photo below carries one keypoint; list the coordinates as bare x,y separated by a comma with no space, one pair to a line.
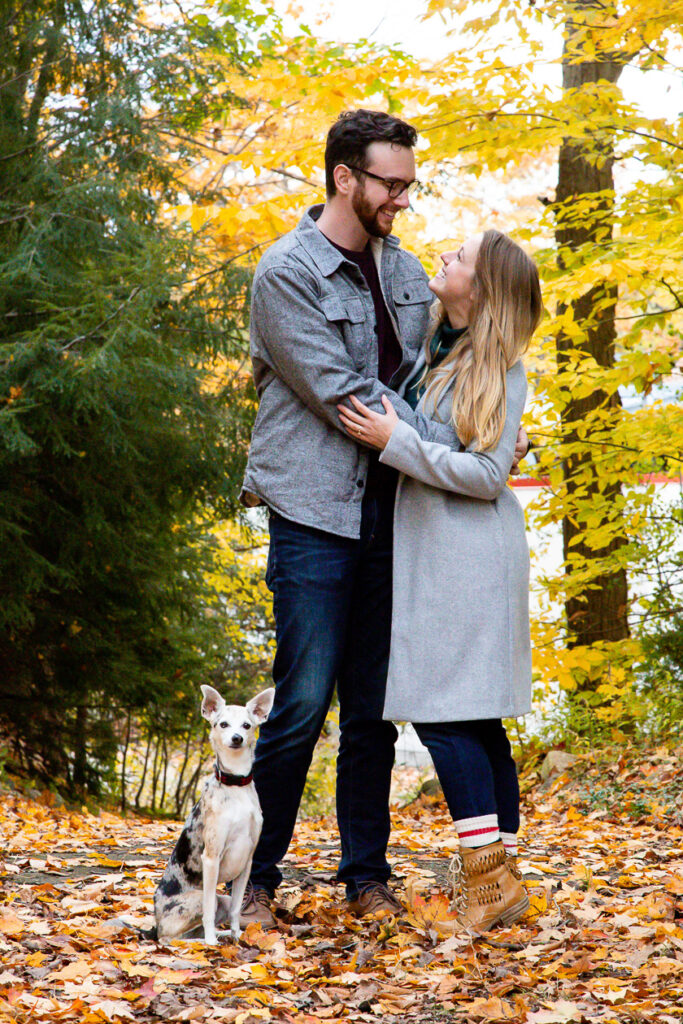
111,442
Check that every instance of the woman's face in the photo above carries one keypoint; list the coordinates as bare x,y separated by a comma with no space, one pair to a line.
454,284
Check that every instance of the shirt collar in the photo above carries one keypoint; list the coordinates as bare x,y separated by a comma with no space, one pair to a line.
327,258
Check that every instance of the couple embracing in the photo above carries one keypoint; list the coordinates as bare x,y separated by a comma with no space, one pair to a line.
388,424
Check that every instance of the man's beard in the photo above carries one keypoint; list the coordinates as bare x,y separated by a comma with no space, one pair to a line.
368,215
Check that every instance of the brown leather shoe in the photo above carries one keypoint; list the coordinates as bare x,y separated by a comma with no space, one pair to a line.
486,891
375,898
256,908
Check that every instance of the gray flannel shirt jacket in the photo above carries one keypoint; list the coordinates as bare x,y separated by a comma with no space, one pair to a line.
314,343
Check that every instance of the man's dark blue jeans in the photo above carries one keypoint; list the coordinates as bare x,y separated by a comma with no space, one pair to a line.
332,603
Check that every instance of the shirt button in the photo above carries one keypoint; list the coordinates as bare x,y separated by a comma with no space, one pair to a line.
406,295
359,483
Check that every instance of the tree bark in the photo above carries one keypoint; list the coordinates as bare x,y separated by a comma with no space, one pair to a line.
143,776
164,774
124,757
181,774
80,749
599,611
190,794
155,773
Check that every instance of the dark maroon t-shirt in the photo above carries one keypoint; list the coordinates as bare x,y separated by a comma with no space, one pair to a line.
381,479
388,349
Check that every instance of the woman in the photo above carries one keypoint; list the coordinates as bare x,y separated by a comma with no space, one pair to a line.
460,647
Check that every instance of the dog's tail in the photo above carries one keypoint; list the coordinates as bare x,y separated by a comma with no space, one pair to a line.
148,933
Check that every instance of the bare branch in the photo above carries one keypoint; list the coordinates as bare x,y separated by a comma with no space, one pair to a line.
107,319
556,437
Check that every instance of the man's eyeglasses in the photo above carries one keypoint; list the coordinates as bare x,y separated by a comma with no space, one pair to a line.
394,188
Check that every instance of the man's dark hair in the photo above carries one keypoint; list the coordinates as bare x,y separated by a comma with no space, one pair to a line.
351,134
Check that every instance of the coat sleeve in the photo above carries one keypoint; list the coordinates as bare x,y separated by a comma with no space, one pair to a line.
307,352
473,473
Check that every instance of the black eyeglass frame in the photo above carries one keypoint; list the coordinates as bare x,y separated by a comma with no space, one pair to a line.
391,186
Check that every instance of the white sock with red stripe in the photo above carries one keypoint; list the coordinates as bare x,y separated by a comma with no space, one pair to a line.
510,843
474,832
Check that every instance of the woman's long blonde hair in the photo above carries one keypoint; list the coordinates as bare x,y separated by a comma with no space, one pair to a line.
506,311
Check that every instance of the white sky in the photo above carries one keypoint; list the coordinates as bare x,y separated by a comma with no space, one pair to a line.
399,22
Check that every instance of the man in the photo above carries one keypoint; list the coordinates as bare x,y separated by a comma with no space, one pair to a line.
338,308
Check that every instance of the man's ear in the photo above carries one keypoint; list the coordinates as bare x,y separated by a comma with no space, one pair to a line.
259,706
212,703
342,178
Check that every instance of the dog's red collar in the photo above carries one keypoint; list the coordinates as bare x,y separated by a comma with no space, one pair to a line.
227,779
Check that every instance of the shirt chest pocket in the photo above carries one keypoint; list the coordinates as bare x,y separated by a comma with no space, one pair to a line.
348,315
412,299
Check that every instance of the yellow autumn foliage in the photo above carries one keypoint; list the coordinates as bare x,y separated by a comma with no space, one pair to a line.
492,118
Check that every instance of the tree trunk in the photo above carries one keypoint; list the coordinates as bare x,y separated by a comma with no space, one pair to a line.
138,795
190,794
164,774
124,757
181,774
155,773
80,749
599,611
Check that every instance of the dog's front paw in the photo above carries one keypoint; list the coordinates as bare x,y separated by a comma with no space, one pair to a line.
210,939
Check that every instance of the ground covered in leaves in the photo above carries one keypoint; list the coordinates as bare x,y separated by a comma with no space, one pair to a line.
603,941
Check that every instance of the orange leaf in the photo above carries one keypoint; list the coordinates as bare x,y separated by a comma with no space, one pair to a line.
10,924
76,969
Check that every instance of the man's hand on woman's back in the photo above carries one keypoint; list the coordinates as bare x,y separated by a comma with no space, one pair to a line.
521,449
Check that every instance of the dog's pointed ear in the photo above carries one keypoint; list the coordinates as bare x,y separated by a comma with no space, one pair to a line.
260,705
212,702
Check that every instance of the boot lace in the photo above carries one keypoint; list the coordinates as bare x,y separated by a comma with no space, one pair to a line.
456,879
488,861
514,868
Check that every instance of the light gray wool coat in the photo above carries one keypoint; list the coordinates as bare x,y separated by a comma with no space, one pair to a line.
460,644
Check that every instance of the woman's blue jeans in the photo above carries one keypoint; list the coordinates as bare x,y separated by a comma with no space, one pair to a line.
476,769
332,604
